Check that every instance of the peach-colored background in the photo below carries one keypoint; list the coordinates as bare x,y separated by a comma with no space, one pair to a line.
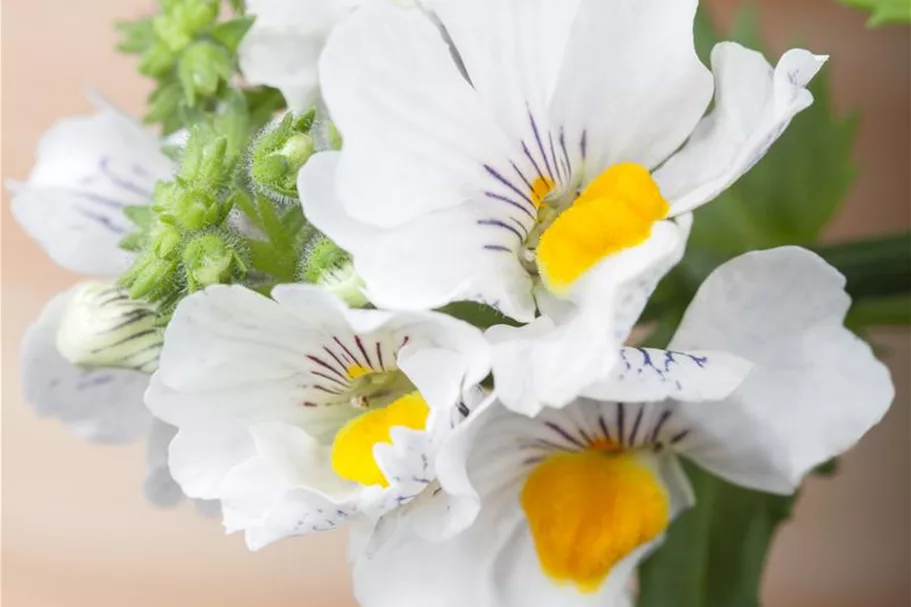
76,531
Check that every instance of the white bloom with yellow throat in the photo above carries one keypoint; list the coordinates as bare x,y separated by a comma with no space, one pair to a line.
299,413
760,384
540,155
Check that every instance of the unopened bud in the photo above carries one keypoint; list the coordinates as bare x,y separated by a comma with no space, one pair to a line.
103,327
209,260
278,155
329,266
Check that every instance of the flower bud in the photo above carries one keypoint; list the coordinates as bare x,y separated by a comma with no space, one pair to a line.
209,260
103,327
329,266
278,155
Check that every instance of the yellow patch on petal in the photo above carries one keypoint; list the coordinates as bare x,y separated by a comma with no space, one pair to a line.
352,450
590,509
541,187
355,370
615,212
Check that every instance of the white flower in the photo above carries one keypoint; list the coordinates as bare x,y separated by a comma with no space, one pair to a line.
87,170
298,412
282,48
538,168
761,383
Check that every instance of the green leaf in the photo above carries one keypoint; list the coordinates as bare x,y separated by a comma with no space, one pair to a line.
883,11
139,214
263,102
874,268
715,553
230,33
479,315
137,36
882,311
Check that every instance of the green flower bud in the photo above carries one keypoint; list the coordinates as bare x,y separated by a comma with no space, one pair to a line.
165,241
202,67
278,155
329,266
103,327
204,161
149,275
191,209
209,260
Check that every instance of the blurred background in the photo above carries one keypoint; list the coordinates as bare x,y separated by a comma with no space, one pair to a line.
76,531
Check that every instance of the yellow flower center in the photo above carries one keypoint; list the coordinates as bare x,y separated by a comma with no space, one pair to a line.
616,212
588,510
352,450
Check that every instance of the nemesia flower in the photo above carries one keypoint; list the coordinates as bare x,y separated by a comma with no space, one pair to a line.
760,384
535,163
299,413
88,170
283,45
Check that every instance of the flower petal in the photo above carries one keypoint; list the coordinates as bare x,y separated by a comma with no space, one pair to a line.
512,51
160,487
753,106
651,375
100,405
631,86
89,168
550,362
816,388
282,48
417,138
468,252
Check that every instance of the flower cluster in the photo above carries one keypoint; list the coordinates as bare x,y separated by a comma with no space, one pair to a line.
287,316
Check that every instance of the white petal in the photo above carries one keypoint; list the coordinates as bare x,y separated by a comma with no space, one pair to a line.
79,233
753,106
651,375
231,354
815,389
631,85
160,487
87,169
549,363
103,405
282,48
468,252
417,138
512,51
299,459
200,458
